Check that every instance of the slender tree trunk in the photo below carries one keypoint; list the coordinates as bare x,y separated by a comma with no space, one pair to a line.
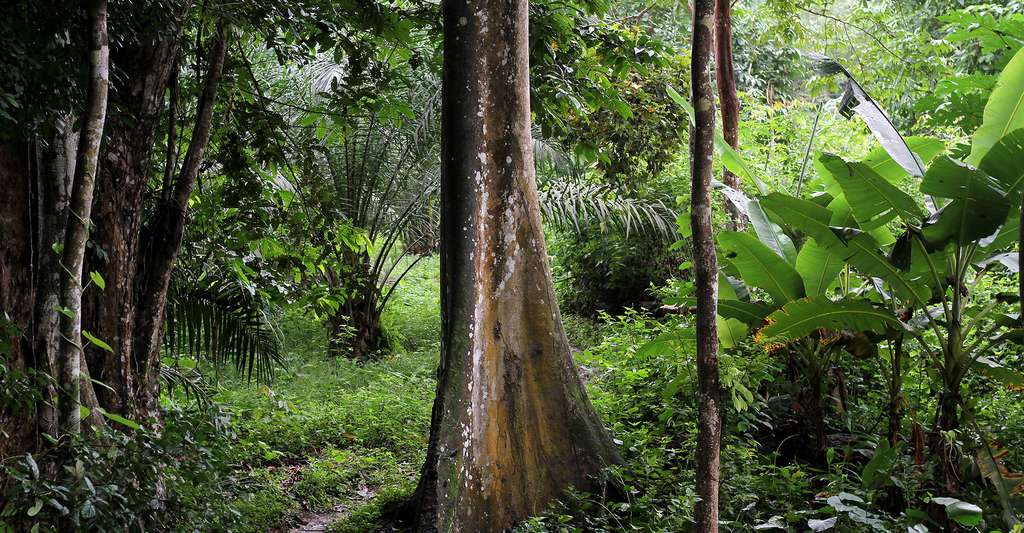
512,426
77,232
56,164
895,410
164,236
948,419
709,428
729,101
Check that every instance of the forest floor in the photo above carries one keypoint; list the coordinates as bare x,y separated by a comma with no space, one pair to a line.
331,442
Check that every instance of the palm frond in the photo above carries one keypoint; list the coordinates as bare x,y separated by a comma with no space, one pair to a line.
576,207
189,380
222,322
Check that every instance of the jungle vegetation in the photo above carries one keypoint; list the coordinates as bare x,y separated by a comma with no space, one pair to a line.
511,265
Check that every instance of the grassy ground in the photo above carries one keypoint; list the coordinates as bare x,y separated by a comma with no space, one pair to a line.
332,441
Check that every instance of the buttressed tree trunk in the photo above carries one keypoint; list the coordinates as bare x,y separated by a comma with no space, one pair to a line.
77,232
709,424
725,77
512,426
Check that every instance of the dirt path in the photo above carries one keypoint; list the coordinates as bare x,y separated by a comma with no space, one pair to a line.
310,521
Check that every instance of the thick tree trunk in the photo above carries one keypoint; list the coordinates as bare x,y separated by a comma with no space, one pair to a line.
77,232
136,105
729,101
354,331
16,423
709,423
512,427
165,234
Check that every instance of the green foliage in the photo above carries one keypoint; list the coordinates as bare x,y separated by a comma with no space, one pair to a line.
143,481
597,271
222,320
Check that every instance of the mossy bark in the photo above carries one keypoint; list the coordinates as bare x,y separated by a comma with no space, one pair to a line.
512,427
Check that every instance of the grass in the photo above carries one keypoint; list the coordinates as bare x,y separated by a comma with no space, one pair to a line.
330,435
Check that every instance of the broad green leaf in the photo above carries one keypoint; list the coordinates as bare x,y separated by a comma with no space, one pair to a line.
818,267
84,412
120,419
949,178
725,289
881,461
1004,111
681,102
822,525
1007,234
734,162
36,507
770,233
750,313
961,512
882,163
978,208
866,256
730,332
871,197
804,215
98,280
96,341
761,267
959,222
998,372
801,317
1004,162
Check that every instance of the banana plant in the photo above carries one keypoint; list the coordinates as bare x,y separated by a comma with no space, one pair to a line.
774,270
930,270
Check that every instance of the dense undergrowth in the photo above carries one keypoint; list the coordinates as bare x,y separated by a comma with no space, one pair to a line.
337,442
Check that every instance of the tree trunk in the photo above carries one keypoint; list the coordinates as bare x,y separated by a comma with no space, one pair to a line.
15,283
709,428
895,410
56,170
137,103
354,333
1020,258
77,232
354,330
948,456
729,101
512,426
164,236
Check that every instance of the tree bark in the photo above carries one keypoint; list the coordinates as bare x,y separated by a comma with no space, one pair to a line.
137,101
512,426
15,283
77,232
895,410
164,236
56,164
709,427
730,103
